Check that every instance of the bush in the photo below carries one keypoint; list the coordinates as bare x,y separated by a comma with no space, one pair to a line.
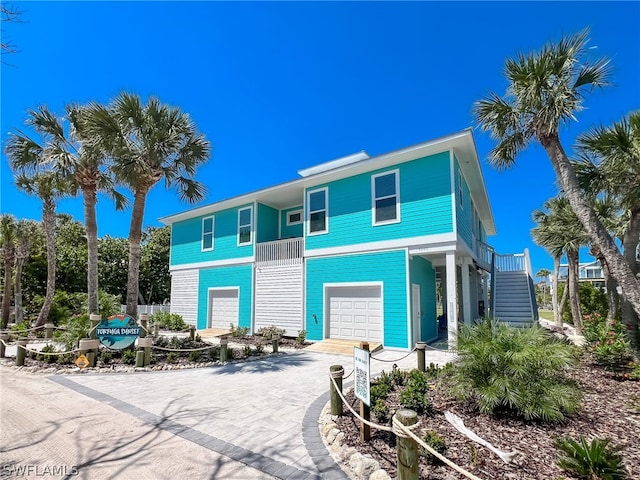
49,348
129,357
105,356
238,332
168,321
594,461
380,410
269,332
414,396
607,342
518,370
77,327
172,357
194,355
302,337
21,329
436,442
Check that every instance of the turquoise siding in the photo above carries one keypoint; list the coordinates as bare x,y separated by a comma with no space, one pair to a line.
464,216
293,230
186,239
386,267
423,273
267,223
425,205
234,276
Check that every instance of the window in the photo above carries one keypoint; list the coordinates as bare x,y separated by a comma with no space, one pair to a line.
317,205
460,188
386,202
207,233
294,217
244,225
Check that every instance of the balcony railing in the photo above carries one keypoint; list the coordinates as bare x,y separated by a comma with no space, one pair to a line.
484,253
280,252
511,263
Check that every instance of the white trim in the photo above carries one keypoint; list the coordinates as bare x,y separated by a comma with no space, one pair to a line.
395,172
454,212
251,230
460,189
209,290
213,263
416,323
299,212
408,294
213,233
326,211
325,286
382,245
279,224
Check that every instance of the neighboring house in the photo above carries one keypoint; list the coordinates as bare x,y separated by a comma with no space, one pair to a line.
354,249
590,272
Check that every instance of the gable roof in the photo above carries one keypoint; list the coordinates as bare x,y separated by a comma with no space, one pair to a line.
291,194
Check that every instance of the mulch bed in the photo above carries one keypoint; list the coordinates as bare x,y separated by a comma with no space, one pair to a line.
610,409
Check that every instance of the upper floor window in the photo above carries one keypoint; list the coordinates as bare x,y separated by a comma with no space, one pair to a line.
317,206
207,233
244,225
460,188
386,199
294,217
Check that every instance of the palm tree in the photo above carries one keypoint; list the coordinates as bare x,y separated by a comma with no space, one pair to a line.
610,165
26,232
7,246
71,154
543,273
546,90
147,144
48,187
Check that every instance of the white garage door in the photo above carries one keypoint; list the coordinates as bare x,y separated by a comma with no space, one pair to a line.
223,308
355,313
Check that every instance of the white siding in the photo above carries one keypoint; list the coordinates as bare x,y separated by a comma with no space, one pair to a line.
184,294
279,297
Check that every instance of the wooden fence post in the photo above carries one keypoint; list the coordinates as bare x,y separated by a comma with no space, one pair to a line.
223,349
365,411
406,448
144,322
336,372
420,350
21,353
192,332
4,337
48,330
95,320
144,344
274,342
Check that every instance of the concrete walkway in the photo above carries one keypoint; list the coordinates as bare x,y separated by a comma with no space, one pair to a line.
261,413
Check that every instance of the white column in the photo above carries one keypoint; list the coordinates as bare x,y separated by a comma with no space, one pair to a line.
452,300
467,315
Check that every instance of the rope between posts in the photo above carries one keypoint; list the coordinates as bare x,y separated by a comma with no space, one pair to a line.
183,349
404,431
36,351
392,361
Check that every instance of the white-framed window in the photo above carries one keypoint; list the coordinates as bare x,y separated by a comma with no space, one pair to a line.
245,224
207,233
294,217
318,211
385,197
460,188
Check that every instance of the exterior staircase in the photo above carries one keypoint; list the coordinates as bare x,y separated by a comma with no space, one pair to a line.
513,298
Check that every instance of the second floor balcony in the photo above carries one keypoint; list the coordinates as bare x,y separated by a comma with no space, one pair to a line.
280,252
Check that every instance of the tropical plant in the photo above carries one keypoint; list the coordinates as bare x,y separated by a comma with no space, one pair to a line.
415,394
436,442
595,460
76,328
607,341
168,321
7,245
147,144
26,232
519,370
546,90
67,151
543,274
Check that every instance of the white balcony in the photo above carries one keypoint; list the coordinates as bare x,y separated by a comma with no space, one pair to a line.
280,252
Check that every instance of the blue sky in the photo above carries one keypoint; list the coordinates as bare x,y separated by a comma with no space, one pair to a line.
281,86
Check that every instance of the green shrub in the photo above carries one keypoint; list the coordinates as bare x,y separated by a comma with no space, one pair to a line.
415,395
259,348
379,391
180,342
194,355
214,354
302,337
607,341
172,357
593,461
238,332
105,356
21,329
436,442
399,377
168,321
129,357
269,332
246,350
76,328
519,370
380,410
48,348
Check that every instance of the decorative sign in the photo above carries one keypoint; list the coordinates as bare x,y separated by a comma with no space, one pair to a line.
82,362
118,332
361,367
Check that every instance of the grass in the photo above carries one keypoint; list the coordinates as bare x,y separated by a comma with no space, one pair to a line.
546,314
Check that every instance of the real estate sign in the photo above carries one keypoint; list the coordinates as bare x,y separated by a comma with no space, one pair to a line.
118,331
361,368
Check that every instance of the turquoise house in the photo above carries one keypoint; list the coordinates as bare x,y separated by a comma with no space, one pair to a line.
358,248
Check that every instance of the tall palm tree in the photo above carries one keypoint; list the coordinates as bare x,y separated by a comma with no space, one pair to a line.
65,149
48,187
546,90
7,247
25,235
147,144
610,165
543,274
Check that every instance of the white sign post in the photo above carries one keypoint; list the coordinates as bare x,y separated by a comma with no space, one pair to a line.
361,368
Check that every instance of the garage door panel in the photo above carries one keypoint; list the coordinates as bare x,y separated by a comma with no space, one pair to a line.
355,313
223,308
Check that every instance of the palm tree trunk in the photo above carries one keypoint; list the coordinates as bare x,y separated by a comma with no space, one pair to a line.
91,226
49,222
135,236
8,281
574,290
630,242
619,267
557,317
563,302
17,291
